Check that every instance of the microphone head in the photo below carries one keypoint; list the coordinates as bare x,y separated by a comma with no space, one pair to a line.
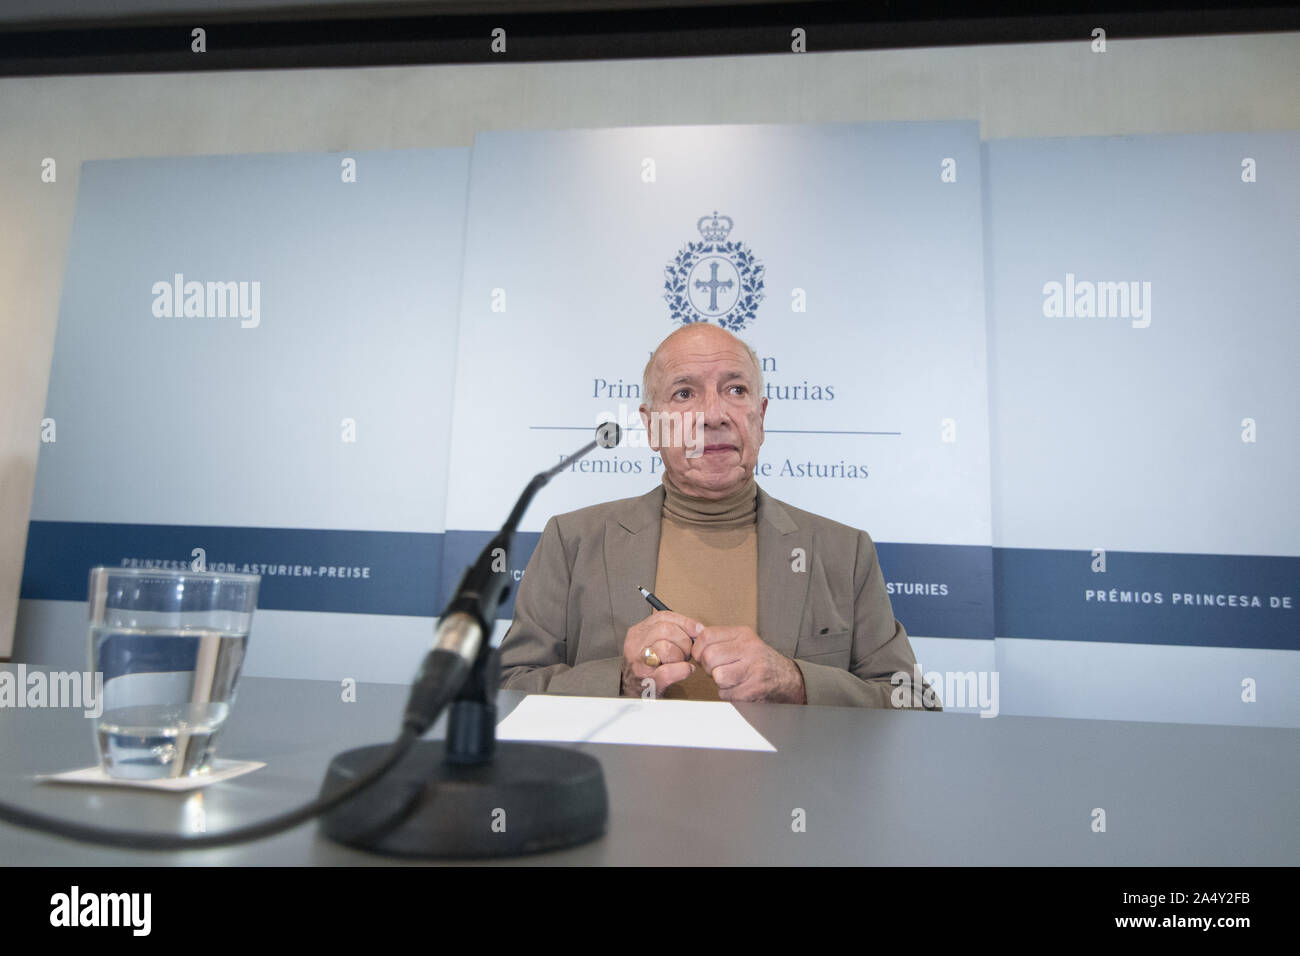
608,434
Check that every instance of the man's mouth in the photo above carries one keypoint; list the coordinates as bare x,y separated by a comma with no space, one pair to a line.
715,449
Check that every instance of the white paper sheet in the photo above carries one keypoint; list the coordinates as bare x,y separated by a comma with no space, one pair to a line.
623,720
221,770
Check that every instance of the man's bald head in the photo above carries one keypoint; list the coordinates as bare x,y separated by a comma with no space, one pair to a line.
648,377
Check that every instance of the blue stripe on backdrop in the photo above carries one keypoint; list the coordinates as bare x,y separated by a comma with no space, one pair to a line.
364,572
1209,600
415,574
938,590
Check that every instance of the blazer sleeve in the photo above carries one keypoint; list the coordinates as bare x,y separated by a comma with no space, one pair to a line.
880,650
534,652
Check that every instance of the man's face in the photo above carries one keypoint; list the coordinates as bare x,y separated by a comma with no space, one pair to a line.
706,380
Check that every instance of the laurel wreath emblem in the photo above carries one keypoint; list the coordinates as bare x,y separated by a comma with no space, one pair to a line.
679,269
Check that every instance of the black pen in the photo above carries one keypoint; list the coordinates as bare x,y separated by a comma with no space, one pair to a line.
655,603
647,655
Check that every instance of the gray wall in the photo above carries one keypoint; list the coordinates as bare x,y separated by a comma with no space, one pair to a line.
1238,83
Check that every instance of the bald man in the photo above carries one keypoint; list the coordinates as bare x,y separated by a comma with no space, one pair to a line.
768,602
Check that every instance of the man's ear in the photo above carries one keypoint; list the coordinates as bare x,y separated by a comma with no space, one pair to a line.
651,437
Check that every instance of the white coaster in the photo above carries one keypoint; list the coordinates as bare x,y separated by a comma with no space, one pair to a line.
221,770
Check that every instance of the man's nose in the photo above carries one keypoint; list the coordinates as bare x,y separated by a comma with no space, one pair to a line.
714,410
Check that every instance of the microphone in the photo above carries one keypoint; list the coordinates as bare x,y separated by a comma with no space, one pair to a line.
609,434
470,614
423,806
444,670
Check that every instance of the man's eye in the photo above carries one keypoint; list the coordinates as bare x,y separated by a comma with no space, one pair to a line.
739,389
682,393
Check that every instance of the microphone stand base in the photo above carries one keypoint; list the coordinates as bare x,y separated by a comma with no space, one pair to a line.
527,798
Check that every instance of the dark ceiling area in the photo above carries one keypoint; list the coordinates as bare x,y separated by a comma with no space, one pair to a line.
44,37
64,12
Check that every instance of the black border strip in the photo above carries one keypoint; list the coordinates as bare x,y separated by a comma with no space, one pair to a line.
253,43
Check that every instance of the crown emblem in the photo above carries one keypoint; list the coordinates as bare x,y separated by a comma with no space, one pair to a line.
715,228
714,279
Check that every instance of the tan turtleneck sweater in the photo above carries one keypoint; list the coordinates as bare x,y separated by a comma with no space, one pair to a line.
708,567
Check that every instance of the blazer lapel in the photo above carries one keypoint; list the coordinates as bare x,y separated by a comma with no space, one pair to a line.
632,557
782,590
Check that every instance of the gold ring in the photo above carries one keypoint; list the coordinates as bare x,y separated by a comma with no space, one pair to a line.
650,657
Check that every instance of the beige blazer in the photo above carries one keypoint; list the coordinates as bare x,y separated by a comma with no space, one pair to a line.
821,601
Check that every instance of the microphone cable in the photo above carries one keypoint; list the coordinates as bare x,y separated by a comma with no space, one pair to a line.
146,840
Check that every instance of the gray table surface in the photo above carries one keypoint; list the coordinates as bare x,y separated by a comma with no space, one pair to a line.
876,788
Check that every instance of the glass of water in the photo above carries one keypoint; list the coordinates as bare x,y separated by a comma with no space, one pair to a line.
170,645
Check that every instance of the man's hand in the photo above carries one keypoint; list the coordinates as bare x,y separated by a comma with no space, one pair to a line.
745,667
669,635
